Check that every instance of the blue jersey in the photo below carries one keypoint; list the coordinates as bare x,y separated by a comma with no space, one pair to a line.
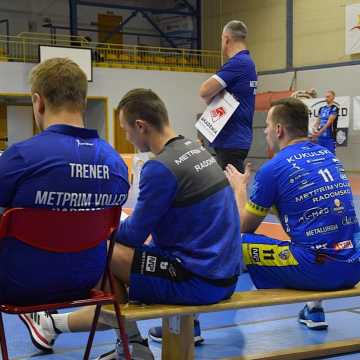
312,195
187,205
324,113
64,168
238,76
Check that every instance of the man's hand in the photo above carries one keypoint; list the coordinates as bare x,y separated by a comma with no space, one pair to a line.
239,182
315,134
236,179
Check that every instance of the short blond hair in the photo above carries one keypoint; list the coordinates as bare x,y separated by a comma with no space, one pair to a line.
62,83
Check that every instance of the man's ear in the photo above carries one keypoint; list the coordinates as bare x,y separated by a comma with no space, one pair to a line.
38,102
227,39
142,126
279,129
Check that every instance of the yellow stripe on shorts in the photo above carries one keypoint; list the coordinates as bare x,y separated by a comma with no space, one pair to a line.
268,255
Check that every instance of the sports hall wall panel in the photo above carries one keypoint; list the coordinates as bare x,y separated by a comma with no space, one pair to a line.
343,80
178,90
319,31
19,123
212,24
266,21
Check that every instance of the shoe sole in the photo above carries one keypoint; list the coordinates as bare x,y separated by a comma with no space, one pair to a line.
318,325
198,340
36,338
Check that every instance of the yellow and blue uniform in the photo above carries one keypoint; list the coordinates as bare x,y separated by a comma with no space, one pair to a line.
311,193
328,137
63,168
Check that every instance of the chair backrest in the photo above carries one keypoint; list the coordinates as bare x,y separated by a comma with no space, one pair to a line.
59,231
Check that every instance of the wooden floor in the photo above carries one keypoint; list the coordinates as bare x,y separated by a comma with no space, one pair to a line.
272,230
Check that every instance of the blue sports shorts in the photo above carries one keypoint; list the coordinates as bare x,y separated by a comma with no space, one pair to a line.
278,264
156,279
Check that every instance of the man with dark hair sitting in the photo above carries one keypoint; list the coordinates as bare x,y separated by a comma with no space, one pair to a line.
187,206
309,189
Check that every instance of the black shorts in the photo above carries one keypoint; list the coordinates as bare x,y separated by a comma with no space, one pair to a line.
234,157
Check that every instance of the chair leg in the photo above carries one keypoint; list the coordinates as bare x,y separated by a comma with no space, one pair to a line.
92,332
123,335
4,351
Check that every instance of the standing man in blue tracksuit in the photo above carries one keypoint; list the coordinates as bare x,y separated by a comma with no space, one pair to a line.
238,77
326,123
186,205
312,196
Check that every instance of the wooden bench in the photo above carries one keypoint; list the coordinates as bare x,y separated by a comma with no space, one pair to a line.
177,322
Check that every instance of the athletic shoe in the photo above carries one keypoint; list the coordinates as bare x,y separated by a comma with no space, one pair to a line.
313,319
155,333
42,330
139,351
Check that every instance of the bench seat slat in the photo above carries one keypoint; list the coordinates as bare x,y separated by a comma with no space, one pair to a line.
239,300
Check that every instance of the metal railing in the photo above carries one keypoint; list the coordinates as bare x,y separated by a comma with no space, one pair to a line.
25,48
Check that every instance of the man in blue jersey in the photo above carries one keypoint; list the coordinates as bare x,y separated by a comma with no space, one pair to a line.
66,168
326,123
186,205
311,194
238,77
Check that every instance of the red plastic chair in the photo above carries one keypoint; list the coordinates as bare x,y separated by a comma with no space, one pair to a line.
60,231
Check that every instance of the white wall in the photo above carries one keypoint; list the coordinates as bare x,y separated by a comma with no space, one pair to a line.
178,90
276,82
343,80
19,123
95,116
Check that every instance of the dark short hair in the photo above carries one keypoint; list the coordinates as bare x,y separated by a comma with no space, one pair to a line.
293,114
144,104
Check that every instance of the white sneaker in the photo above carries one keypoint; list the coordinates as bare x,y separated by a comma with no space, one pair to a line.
42,329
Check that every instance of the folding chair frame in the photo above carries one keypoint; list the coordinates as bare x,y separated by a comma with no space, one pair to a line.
97,298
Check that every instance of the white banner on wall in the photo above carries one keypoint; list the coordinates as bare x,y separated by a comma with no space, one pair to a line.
352,29
356,112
